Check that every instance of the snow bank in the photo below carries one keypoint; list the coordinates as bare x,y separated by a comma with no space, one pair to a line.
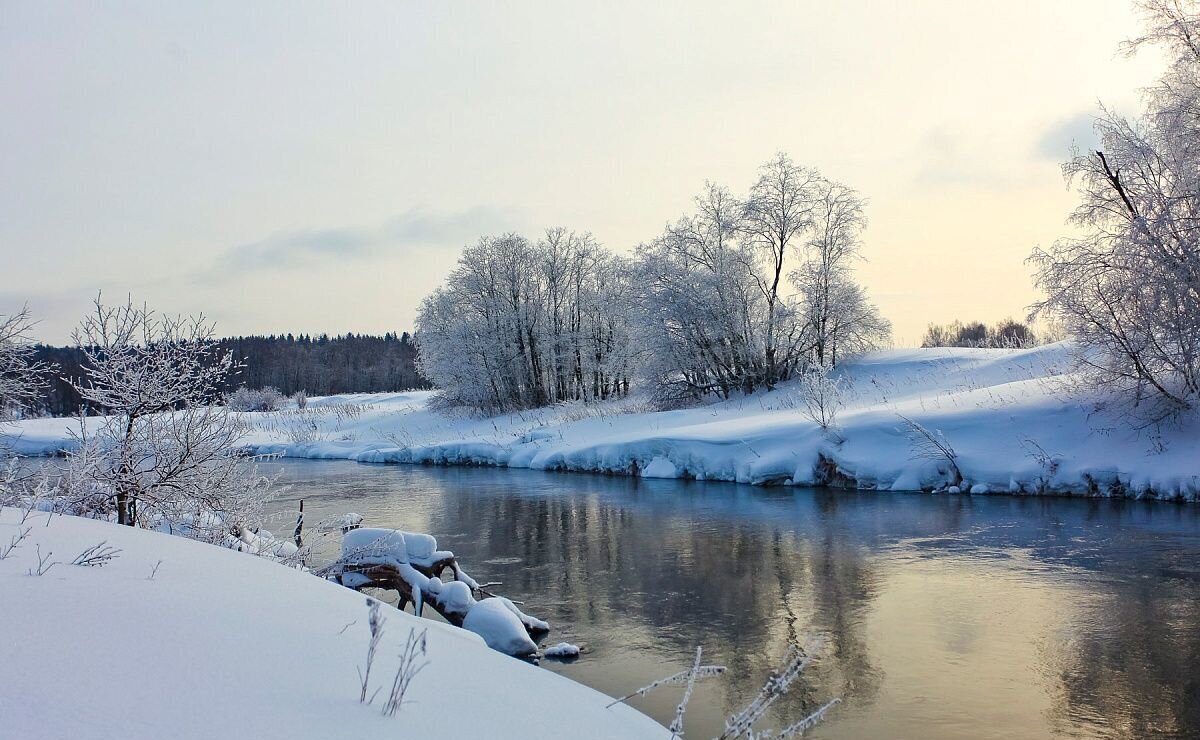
1006,413
170,626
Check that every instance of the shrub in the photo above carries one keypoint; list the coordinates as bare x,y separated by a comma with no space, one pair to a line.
261,399
1006,334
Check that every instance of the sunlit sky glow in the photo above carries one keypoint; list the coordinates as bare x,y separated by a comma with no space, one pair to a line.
318,167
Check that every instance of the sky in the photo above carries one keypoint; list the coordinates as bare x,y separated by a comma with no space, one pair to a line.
318,167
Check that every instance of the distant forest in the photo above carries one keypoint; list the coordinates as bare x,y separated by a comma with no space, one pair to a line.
320,366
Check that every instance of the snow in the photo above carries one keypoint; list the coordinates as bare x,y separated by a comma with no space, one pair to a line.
1007,413
218,643
500,627
660,467
368,545
562,650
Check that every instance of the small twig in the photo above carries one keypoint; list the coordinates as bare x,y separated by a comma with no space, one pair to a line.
806,724
493,595
375,621
704,671
14,542
96,555
414,650
44,565
676,727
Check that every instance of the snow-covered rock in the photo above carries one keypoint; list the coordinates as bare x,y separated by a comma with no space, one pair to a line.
562,650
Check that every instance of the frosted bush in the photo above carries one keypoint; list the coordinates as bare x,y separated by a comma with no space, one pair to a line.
255,399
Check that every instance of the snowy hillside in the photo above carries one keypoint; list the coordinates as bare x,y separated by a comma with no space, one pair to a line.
174,638
1008,416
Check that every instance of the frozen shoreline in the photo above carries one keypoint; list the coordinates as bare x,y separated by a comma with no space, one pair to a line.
1012,423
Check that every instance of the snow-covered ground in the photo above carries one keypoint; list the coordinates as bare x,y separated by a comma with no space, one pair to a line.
175,638
1006,413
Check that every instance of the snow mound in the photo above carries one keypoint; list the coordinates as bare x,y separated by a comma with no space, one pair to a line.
369,545
562,650
500,627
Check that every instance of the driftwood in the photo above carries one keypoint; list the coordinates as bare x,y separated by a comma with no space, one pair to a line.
387,576
381,558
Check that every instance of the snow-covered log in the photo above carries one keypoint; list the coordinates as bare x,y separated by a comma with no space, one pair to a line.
410,564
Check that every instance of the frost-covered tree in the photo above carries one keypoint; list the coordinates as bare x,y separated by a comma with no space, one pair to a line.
164,453
779,213
840,320
1128,288
700,309
21,375
744,293
520,324
1006,334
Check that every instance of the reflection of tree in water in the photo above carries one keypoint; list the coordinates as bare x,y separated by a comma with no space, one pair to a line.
844,585
743,589
1134,669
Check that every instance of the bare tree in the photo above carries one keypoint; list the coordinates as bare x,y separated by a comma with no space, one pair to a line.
21,377
699,307
519,324
841,322
821,396
1128,289
715,307
164,452
781,208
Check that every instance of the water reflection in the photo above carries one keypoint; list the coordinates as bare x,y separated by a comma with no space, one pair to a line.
944,616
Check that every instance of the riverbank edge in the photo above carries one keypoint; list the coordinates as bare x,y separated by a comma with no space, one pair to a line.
827,472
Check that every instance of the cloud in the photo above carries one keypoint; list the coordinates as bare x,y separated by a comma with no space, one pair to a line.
1056,143
283,249
413,228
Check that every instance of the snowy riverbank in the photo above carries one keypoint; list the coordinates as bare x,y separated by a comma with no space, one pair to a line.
175,638
1007,415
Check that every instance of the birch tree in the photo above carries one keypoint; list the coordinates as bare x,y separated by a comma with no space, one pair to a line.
782,206
840,320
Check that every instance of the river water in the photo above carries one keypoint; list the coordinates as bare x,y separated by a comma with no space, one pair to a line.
942,616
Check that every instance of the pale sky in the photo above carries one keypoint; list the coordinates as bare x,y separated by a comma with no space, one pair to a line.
318,167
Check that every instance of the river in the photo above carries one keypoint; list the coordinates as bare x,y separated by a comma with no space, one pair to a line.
943,616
